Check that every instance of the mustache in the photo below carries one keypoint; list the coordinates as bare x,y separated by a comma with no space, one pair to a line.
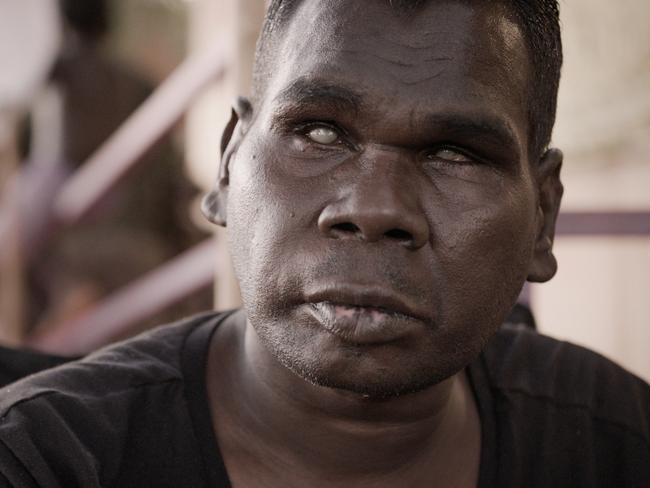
362,268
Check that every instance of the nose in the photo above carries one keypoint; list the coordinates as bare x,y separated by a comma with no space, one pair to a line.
376,205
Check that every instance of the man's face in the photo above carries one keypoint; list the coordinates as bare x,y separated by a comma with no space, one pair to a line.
381,204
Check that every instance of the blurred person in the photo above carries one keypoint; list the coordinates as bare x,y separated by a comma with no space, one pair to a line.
29,40
388,189
142,223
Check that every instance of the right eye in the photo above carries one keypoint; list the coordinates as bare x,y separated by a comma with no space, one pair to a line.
450,155
322,135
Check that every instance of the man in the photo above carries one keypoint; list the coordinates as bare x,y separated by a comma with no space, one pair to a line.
387,191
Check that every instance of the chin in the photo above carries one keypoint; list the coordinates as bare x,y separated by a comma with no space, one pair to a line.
366,376
375,388
403,367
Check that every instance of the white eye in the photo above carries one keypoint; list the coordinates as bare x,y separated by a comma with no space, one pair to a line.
323,135
447,154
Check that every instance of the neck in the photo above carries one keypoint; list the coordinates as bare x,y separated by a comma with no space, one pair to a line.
330,430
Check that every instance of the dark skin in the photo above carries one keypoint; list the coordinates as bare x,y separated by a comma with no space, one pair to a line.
384,210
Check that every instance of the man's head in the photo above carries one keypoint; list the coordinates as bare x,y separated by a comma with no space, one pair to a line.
88,18
386,193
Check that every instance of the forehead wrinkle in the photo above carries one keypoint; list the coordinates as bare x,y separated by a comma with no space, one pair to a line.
338,26
400,62
404,72
413,51
306,90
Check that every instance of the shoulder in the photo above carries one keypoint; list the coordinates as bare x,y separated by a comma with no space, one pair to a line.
524,364
86,420
18,363
148,359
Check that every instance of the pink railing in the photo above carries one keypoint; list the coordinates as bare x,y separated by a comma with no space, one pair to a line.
103,171
142,130
603,224
113,317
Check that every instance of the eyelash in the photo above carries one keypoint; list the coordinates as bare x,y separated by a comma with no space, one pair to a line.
471,156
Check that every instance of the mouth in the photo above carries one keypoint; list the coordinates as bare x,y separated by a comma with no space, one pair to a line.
365,317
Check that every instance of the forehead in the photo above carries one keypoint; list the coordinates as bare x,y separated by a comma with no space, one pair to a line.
447,55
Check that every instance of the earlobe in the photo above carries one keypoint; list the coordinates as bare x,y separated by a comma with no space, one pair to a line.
544,265
213,207
214,204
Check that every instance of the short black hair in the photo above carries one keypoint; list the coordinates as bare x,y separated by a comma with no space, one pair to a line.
87,17
540,24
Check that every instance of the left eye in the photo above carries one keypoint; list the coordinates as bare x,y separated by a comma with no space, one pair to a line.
322,135
448,154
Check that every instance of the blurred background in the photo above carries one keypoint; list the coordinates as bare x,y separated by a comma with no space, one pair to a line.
111,113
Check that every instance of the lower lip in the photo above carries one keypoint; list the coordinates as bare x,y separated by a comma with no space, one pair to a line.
362,325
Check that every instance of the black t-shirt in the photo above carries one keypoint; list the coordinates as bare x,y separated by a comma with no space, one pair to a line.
18,363
136,415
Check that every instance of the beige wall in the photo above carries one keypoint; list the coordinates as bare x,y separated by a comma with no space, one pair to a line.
600,297
234,24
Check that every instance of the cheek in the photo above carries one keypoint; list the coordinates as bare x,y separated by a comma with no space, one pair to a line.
269,218
250,212
485,246
486,218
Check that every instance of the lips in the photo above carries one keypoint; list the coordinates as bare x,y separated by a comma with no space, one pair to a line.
364,314
368,296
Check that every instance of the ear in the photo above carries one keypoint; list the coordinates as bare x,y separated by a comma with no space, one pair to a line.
549,187
215,203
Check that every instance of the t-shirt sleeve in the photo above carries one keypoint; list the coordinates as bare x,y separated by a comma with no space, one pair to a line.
565,416
12,472
38,448
117,418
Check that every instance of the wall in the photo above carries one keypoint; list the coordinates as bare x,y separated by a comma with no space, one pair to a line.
599,297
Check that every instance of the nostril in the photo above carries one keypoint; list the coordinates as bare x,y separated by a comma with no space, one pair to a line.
399,235
346,227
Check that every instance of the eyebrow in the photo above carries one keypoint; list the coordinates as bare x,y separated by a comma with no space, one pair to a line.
309,91
489,128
